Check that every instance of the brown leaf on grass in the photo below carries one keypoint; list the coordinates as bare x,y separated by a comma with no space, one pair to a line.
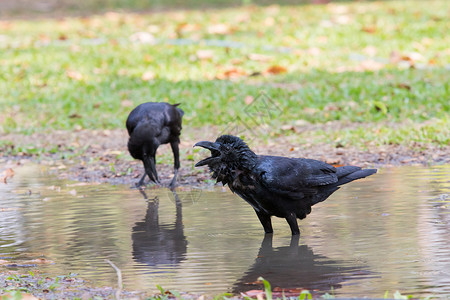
75,116
187,27
8,173
314,51
369,29
366,65
205,54
148,75
342,19
74,75
142,37
371,65
370,50
395,57
219,28
275,69
269,22
126,103
232,73
412,57
122,72
148,58
44,38
259,57
249,99
288,127
404,86
332,107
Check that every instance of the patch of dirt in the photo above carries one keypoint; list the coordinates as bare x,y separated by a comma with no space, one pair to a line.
102,155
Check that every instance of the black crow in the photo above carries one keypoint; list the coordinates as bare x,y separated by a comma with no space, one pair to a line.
150,125
275,185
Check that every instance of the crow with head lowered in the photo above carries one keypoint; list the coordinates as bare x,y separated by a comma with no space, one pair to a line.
274,185
150,125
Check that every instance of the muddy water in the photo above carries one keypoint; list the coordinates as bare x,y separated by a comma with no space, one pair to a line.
385,233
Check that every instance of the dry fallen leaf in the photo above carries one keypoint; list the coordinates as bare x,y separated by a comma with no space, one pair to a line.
269,21
404,86
370,50
74,75
147,76
143,38
288,127
314,51
369,29
412,56
232,74
249,99
126,103
187,27
219,28
259,57
205,54
276,70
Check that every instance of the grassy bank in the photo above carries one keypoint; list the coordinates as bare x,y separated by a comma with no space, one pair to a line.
381,66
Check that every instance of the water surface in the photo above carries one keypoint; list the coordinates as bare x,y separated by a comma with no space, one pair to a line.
385,233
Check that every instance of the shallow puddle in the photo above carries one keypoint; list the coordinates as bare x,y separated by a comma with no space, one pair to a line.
385,233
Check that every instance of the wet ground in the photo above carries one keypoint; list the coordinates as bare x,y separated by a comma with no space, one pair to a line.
388,232
102,156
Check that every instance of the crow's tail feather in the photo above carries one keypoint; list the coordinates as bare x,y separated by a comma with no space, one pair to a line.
345,175
350,173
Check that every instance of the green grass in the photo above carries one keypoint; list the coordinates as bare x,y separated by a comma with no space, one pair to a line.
86,72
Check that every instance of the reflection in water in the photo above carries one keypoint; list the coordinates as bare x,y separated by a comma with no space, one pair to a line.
397,229
296,266
157,244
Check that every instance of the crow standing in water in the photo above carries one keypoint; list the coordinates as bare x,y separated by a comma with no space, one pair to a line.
150,125
275,185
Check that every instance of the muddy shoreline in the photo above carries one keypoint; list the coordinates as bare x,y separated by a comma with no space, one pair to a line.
101,155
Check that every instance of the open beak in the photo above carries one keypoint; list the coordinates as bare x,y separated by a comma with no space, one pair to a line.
214,148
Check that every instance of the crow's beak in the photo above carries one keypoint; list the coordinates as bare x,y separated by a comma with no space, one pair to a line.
150,169
214,148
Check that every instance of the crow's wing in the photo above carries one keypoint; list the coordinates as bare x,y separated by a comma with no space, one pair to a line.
294,175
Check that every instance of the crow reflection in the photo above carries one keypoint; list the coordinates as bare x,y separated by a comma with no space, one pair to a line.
159,244
295,266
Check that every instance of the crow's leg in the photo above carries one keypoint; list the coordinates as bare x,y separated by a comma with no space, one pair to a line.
292,221
265,221
176,162
141,182
154,169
